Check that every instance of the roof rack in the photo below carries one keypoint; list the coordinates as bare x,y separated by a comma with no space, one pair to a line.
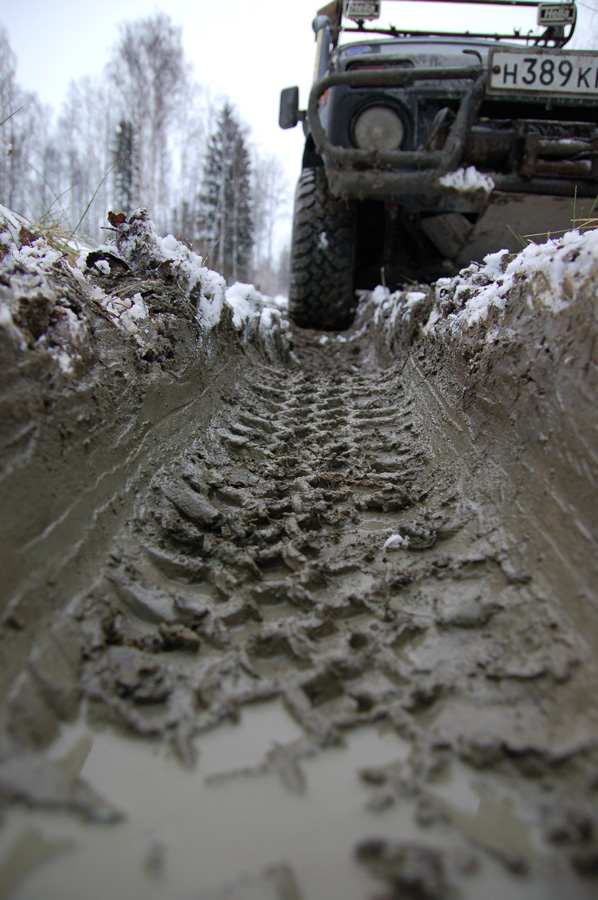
553,34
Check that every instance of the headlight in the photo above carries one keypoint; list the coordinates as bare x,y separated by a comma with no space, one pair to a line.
378,128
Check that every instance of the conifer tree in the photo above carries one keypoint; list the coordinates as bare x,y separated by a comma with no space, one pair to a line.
226,217
126,168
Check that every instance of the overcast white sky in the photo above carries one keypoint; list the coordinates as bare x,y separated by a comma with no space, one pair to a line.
246,49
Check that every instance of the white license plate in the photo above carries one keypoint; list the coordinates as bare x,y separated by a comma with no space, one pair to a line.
573,74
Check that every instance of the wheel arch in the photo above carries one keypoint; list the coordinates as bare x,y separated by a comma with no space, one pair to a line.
311,157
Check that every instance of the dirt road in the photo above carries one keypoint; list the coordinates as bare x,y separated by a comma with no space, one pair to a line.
350,585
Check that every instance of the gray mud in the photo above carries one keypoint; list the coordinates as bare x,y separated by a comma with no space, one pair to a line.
303,626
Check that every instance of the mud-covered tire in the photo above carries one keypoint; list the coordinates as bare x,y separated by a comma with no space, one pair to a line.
321,291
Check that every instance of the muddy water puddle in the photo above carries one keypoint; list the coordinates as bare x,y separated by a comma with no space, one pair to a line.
189,832
222,828
486,813
385,523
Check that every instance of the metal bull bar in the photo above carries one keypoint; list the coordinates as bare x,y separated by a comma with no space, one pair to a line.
429,164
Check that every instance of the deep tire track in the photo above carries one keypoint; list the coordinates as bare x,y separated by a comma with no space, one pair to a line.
256,567
267,543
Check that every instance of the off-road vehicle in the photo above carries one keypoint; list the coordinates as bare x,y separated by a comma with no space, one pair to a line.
426,150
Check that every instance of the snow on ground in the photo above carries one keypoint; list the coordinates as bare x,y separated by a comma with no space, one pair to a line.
10,225
397,541
33,315
550,274
136,243
245,302
555,269
135,256
142,249
134,250
259,319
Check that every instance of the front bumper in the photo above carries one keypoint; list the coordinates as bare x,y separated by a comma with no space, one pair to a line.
555,167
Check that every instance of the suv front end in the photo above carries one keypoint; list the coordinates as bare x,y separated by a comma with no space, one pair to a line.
431,150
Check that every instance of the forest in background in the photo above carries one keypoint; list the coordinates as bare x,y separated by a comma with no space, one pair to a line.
145,134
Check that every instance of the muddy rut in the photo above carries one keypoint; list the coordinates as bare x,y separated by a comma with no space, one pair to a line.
267,538
321,619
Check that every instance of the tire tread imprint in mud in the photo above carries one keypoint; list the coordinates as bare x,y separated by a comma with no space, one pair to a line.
259,522
322,256
256,569
264,541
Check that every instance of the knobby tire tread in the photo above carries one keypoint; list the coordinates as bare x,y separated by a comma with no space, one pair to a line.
321,291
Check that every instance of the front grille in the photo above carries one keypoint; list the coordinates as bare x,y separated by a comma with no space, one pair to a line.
537,112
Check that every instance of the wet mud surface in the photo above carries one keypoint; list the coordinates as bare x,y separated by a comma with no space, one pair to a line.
325,626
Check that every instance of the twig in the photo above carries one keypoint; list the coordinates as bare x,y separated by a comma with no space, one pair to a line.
518,237
93,196
204,261
10,115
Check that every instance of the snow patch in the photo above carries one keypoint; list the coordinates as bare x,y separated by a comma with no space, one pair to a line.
144,251
64,360
281,302
547,276
551,272
103,266
412,298
11,224
244,301
137,311
136,249
259,319
379,295
466,181
211,287
5,316
396,542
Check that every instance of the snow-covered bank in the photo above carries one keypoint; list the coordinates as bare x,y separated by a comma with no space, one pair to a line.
550,276
511,344
121,279
552,273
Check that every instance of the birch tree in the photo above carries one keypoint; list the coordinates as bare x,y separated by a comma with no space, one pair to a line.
83,139
149,73
23,131
126,168
270,193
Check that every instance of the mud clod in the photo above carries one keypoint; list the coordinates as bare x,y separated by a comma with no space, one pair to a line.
413,871
192,505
